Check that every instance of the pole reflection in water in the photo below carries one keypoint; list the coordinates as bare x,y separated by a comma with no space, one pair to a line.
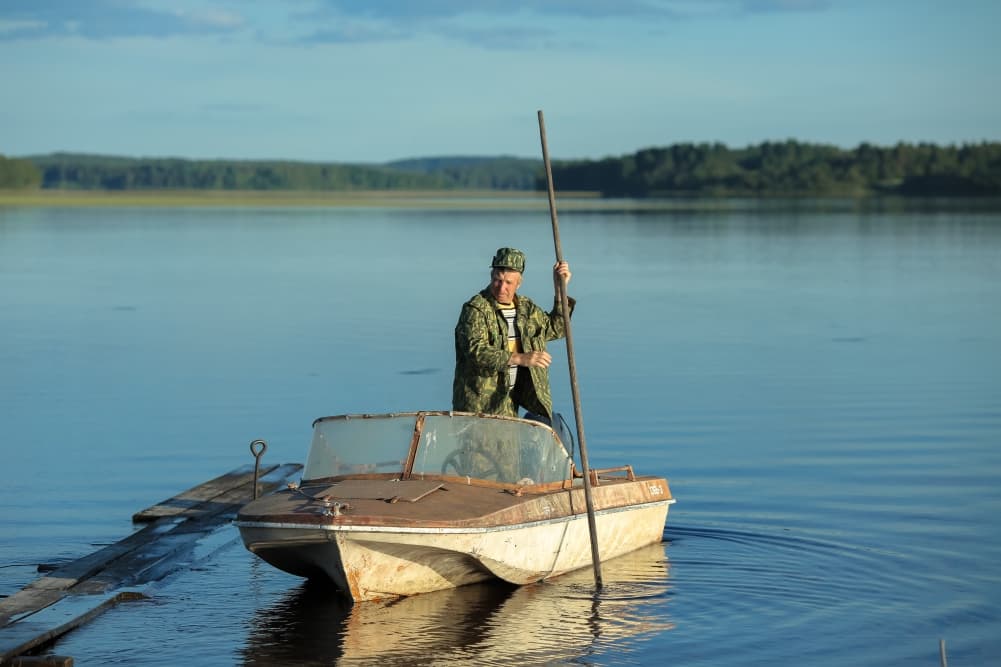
491,623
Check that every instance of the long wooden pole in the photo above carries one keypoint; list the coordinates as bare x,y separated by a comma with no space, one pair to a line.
565,303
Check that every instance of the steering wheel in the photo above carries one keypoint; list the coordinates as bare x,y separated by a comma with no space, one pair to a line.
461,461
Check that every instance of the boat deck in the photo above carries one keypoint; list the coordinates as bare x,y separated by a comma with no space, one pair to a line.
443,502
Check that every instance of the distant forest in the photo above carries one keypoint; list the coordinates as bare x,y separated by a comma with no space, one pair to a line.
787,168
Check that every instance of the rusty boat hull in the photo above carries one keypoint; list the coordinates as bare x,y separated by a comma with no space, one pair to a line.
424,527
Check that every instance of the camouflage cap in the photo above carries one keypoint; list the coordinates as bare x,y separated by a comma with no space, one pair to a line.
509,259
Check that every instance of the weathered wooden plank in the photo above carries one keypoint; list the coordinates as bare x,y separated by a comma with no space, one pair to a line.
197,496
68,575
27,601
52,587
160,556
136,557
137,567
70,612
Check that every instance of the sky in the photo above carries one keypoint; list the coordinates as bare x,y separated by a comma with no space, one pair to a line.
370,81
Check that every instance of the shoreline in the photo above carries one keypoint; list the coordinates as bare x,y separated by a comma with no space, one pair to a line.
473,200
278,198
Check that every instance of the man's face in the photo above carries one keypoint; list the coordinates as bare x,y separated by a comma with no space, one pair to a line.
503,285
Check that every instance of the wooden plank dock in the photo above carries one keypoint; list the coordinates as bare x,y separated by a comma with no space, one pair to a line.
74,593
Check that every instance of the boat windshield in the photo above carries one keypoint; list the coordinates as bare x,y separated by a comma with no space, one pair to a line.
500,449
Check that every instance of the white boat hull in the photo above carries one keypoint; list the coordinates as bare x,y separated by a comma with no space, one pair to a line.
374,562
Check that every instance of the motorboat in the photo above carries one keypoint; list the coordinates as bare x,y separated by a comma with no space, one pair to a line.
399,504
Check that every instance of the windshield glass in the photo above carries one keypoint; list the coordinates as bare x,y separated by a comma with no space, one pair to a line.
355,445
502,450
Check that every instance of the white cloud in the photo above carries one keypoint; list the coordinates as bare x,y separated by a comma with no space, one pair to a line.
213,18
13,26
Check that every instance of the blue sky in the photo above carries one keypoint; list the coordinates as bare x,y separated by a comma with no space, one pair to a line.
378,80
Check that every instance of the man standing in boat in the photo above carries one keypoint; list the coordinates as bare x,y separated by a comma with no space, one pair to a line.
501,362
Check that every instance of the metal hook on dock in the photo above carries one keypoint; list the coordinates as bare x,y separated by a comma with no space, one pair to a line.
257,448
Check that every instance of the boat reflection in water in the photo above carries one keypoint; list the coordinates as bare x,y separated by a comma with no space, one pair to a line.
555,621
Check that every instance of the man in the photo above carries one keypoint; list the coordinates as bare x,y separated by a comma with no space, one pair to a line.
501,362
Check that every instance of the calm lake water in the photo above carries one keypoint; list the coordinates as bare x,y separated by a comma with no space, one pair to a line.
821,384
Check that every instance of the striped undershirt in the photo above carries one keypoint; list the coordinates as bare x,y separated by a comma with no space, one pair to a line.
513,342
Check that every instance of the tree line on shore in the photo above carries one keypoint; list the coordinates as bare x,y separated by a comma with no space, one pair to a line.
791,168
787,168
18,174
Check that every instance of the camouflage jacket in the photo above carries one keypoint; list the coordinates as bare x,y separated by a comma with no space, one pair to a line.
481,370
